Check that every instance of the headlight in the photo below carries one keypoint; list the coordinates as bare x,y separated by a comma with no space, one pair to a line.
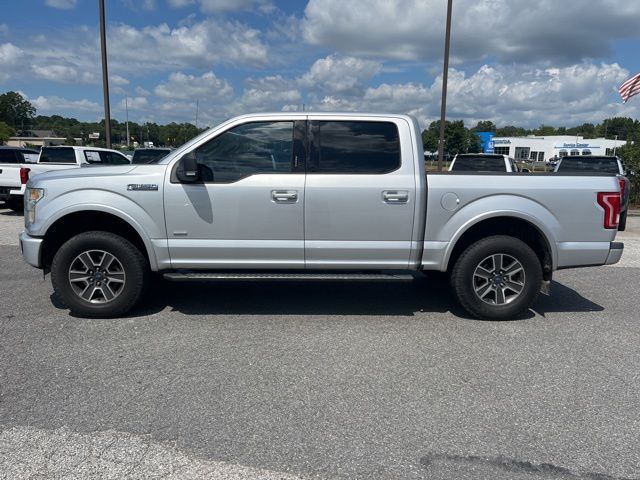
31,197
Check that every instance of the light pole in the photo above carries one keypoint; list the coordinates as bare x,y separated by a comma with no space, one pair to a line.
126,109
105,75
445,75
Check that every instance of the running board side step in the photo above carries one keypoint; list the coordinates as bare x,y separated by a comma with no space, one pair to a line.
365,277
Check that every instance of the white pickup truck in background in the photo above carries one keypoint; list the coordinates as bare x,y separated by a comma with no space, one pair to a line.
14,176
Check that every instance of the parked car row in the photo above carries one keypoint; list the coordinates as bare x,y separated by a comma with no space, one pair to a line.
578,164
17,165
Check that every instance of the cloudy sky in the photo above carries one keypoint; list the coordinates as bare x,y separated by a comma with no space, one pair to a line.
513,61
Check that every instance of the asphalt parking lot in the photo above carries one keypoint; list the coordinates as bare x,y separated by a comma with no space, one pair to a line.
321,380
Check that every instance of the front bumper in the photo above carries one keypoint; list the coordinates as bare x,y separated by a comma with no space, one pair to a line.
31,248
615,253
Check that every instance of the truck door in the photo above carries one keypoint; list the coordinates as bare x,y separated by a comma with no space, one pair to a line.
247,210
359,195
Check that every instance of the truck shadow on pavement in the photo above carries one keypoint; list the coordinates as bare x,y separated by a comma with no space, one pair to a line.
423,294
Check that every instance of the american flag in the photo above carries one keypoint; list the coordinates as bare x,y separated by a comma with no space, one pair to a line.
630,88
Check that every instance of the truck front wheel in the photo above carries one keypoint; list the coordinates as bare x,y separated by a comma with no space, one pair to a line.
98,274
497,278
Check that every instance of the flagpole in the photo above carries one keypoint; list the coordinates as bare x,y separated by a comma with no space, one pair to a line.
445,76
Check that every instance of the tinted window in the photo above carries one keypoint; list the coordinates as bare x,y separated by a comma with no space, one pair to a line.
113,158
57,155
479,164
589,164
8,156
357,147
249,149
149,156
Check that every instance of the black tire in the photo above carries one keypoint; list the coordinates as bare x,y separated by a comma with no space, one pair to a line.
125,282
16,204
501,301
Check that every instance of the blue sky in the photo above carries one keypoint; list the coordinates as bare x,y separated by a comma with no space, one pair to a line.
556,63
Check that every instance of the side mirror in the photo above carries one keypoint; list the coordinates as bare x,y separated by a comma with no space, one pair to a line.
631,173
187,171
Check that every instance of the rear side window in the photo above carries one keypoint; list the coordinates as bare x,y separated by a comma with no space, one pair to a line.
589,164
478,164
57,155
8,156
356,147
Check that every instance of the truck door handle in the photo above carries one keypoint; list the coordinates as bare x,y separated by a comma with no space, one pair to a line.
395,196
284,196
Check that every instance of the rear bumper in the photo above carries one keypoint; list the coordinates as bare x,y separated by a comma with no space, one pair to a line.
31,248
615,253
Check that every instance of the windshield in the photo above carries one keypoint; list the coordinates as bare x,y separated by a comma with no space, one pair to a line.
149,156
589,164
479,163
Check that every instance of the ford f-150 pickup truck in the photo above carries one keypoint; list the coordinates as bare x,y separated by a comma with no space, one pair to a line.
313,196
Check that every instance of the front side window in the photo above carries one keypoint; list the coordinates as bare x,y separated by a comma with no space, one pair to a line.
356,147
245,150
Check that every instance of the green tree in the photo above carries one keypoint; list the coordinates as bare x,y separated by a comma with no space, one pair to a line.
15,110
511,131
484,126
5,132
544,130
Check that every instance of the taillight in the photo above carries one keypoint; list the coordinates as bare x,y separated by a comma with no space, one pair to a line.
623,185
610,202
24,175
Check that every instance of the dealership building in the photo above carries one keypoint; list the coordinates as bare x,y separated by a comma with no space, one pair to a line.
540,149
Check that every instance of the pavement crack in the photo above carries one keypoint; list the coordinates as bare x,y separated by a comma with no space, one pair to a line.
517,466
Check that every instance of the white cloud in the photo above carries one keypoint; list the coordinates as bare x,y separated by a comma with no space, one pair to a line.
63,74
338,74
199,45
63,4
118,80
10,56
183,87
64,106
510,30
272,93
133,103
220,6
180,3
505,94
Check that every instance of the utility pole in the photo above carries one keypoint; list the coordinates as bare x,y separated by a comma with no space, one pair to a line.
126,109
445,76
105,75
197,113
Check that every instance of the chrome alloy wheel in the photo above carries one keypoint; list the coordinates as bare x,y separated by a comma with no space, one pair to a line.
498,279
96,276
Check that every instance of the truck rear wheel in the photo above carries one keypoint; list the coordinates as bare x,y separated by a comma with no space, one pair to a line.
497,278
98,274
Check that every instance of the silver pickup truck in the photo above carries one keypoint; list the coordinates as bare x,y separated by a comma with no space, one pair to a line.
313,196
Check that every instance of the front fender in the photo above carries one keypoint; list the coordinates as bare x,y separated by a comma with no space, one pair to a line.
147,220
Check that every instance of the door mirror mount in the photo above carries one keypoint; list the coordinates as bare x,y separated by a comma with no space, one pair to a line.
187,171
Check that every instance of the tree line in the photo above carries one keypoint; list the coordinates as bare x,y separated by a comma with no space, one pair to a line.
17,115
